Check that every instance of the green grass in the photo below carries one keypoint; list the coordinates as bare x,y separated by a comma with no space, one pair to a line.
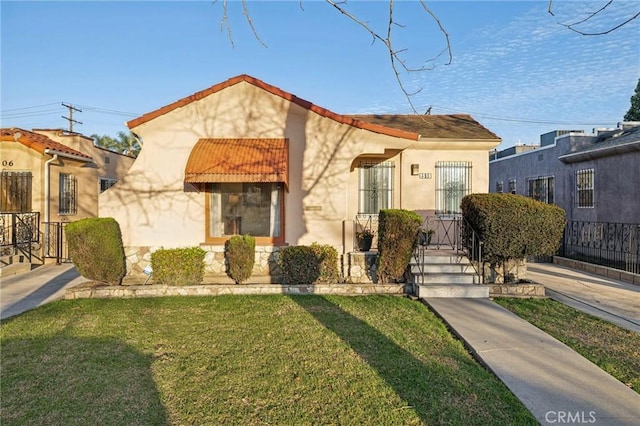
612,348
244,360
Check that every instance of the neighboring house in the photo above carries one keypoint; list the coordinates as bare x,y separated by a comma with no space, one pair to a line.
595,179
245,157
592,177
52,177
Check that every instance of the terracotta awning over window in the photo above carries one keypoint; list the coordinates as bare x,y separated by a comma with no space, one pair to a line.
239,160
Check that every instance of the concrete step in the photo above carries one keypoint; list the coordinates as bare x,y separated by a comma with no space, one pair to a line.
10,259
448,290
14,269
446,278
434,259
443,268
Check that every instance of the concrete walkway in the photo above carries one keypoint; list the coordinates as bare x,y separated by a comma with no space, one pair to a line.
28,290
554,382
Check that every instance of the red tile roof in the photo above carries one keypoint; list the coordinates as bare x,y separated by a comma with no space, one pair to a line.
400,133
38,142
239,160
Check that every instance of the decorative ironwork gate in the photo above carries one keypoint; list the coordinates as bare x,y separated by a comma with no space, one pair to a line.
55,242
19,232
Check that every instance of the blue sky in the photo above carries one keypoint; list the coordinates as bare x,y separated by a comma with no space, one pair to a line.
515,68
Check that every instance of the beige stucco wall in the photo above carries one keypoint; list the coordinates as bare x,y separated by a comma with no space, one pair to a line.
26,159
156,208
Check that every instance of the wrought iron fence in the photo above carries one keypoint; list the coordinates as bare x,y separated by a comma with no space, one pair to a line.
55,242
615,245
20,231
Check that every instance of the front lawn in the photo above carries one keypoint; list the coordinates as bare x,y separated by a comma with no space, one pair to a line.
244,360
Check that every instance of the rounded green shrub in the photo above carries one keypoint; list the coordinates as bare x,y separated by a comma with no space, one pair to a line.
241,253
178,266
397,230
95,247
314,264
513,226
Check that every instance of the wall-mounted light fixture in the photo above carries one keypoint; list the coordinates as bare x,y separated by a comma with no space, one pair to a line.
415,169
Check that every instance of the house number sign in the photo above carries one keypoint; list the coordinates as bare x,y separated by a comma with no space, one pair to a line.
7,163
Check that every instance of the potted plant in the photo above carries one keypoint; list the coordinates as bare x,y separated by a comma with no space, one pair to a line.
365,239
425,235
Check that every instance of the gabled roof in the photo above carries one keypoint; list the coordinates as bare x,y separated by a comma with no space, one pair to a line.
402,126
39,142
456,126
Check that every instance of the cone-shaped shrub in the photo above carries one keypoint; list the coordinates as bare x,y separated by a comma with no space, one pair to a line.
95,247
397,231
241,254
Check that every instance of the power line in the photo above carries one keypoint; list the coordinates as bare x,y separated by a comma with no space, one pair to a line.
525,120
29,107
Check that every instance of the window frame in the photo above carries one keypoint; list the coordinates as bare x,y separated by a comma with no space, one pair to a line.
585,196
368,170
448,172
512,186
12,201
263,241
109,183
546,185
67,194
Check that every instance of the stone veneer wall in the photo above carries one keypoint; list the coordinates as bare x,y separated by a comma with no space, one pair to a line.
360,267
133,291
265,269
357,267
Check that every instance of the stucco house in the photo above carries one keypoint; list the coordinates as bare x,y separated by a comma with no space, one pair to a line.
245,157
49,177
595,178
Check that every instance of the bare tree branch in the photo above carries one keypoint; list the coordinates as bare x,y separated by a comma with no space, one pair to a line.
250,22
573,28
224,22
397,62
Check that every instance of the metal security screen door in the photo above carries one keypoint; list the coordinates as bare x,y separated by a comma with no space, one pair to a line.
376,187
453,181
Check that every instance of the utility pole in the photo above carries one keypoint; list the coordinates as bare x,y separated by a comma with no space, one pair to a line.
70,117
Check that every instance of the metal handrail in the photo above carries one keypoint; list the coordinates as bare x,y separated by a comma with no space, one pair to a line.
472,247
455,233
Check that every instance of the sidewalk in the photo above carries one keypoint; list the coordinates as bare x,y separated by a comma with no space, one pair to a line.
554,382
614,301
26,291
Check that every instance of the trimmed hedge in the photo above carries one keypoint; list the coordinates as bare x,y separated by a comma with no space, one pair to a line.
95,247
241,255
397,231
178,266
513,226
314,264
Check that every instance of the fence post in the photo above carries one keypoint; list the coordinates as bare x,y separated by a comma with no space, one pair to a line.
59,248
